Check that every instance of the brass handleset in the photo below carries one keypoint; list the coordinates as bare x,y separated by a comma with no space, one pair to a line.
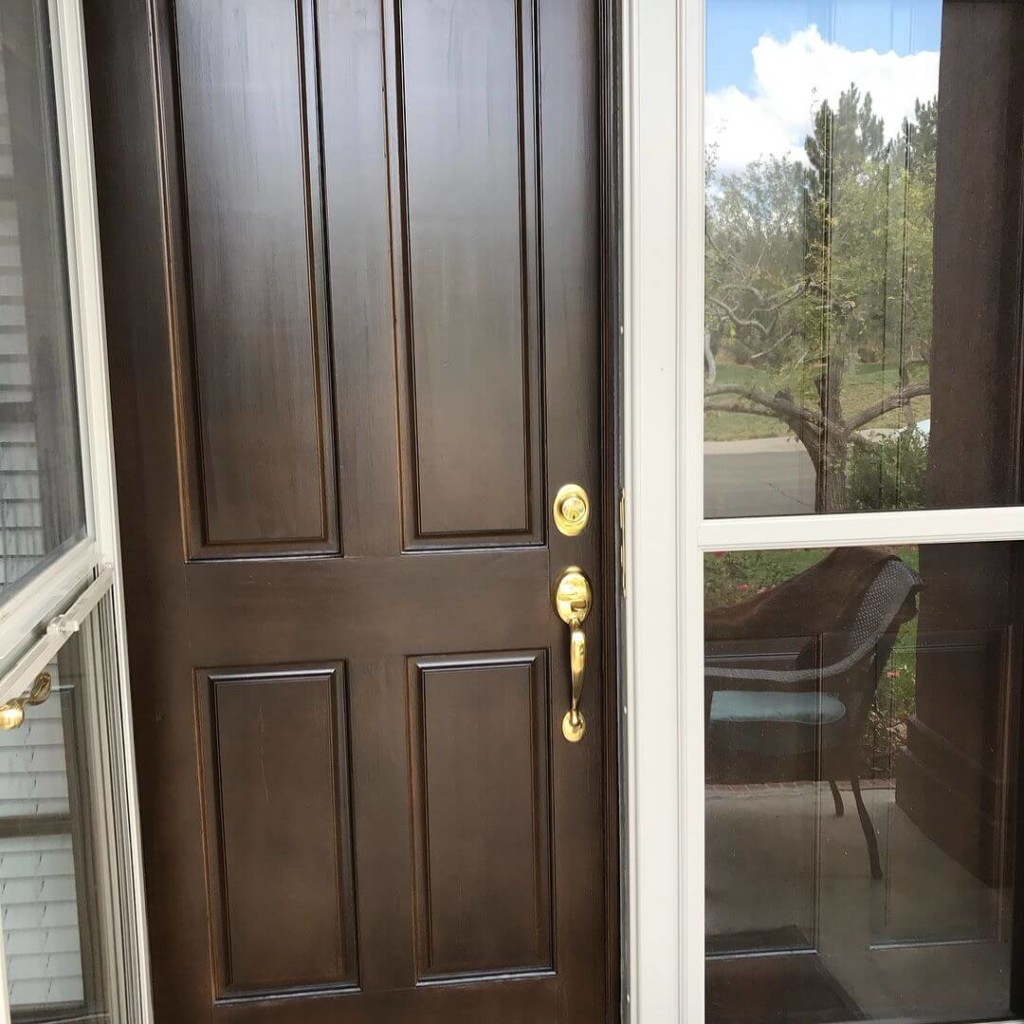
12,714
573,600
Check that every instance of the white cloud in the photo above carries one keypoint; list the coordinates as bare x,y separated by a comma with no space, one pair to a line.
790,81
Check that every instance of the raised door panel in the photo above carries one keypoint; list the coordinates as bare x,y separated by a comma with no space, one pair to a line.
254,395
276,790
481,813
357,195
467,162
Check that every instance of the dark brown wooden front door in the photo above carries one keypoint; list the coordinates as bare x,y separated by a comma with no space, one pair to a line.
352,275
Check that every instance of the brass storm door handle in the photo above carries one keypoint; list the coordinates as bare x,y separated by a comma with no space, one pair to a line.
573,600
12,714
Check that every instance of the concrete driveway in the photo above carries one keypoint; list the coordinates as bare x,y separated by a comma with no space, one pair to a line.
771,476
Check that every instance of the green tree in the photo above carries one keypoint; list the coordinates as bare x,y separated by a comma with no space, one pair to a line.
812,268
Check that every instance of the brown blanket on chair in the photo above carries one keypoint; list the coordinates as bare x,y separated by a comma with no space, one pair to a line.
821,599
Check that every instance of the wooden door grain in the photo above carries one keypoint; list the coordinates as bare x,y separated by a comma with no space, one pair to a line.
353,274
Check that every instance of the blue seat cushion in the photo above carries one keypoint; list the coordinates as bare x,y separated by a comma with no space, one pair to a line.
749,706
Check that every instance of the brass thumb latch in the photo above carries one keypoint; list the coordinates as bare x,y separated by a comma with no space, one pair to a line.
12,714
573,600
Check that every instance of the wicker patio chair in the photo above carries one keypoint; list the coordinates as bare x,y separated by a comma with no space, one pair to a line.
820,697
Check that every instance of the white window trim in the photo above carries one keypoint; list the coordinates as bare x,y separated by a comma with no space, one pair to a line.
663,232
54,588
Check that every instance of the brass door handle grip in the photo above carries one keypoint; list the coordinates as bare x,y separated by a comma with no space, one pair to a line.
573,722
573,600
12,714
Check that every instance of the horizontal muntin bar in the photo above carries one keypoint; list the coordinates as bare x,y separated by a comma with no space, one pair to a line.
852,529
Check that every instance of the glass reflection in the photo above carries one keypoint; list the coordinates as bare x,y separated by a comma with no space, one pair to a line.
862,715
42,506
861,221
59,876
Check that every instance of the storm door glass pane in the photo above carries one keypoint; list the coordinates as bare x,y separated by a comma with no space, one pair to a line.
39,890
862,778
42,506
862,343
62,880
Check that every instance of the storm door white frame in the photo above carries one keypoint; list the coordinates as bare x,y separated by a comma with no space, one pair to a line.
666,535
91,569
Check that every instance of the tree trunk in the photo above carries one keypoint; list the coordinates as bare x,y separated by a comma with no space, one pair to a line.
831,493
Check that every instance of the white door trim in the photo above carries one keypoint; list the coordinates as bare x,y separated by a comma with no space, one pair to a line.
665,859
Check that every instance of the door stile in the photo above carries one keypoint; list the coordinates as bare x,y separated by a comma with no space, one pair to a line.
691,512
609,96
652,36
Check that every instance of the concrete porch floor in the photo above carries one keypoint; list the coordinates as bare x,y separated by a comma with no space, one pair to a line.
786,878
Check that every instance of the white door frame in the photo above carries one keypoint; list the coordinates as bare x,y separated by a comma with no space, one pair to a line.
663,244
663,284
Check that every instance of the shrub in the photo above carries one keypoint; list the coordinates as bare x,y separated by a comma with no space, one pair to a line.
889,473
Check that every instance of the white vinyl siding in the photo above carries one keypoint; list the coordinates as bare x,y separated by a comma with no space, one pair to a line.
40,920
38,891
21,524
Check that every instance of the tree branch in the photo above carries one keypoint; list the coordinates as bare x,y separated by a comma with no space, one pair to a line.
779,404
895,401
745,409
756,357
771,303
863,443
726,255
841,307
731,313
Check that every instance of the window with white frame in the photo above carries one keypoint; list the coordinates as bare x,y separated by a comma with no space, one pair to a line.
70,886
824,442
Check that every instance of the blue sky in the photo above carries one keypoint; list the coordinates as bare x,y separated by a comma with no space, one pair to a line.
771,63
734,27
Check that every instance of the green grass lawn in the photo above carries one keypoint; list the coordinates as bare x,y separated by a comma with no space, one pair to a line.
866,384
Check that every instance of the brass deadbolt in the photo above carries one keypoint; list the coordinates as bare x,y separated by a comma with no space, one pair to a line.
571,509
